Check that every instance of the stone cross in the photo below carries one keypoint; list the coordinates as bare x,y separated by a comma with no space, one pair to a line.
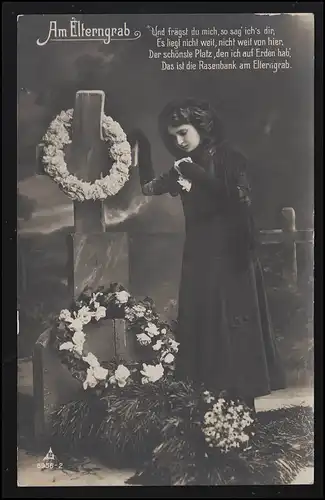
288,236
95,257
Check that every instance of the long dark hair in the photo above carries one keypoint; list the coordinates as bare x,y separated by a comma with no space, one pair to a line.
200,114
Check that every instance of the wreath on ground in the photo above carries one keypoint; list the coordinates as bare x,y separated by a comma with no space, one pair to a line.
119,150
138,414
142,322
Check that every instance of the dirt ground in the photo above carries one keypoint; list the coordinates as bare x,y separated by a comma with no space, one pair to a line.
91,473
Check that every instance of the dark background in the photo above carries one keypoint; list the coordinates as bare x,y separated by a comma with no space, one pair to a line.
268,116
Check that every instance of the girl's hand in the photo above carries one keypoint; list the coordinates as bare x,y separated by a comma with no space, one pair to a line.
178,162
189,170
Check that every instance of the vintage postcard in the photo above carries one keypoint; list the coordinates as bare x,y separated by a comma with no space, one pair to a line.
165,199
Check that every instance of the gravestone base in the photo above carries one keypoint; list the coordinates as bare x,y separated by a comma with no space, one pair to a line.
97,259
53,384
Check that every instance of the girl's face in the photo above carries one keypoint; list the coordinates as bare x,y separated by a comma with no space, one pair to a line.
186,137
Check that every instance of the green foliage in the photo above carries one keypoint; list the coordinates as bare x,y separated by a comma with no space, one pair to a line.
155,427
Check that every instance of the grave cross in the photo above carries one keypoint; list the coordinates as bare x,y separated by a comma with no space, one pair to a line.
288,236
95,257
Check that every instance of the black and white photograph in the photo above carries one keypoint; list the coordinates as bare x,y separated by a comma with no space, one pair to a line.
165,249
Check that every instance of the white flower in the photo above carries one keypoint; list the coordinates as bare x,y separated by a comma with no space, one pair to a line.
143,339
91,360
121,382
75,324
100,313
112,380
122,297
164,331
66,346
129,313
157,345
139,310
217,408
78,348
208,417
152,330
207,397
120,376
84,315
99,372
90,379
122,372
173,345
94,297
152,372
244,438
79,337
148,314
65,315
50,150
184,183
169,358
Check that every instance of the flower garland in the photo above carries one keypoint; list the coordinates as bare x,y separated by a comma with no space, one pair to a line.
57,136
142,321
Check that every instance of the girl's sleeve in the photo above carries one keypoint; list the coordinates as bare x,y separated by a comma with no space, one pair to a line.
160,185
243,203
150,184
209,181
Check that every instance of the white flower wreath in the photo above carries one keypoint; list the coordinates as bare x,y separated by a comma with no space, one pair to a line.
57,136
142,321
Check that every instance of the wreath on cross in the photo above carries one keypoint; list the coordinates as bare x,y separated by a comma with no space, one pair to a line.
119,150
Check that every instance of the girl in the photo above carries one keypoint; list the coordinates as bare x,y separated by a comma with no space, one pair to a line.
226,341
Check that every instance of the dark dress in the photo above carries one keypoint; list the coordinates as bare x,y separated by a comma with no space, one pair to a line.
224,328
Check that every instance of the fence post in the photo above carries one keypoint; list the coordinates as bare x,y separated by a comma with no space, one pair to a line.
290,273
